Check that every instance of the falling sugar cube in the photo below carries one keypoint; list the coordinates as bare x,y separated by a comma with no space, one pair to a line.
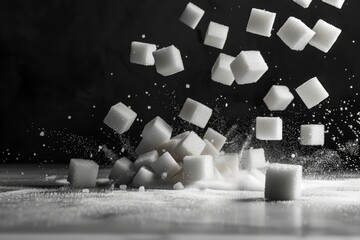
178,186
325,35
278,98
146,159
216,35
295,34
198,168
269,128
157,131
248,67
144,177
168,61
195,113
227,164
122,171
165,164
312,92
210,149
335,3
261,22
191,15
253,158
303,3
83,173
221,71
142,53
215,138
312,135
120,118
192,144
283,182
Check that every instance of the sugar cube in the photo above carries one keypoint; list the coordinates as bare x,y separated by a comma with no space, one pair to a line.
312,134
146,159
192,144
144,177
198,168
169,146
83,173
227,164
312,92
85,190
157,131
141,189
221,71
303,3
210,149
215,138
325,35
195,113
278,98
295,34
120,118
261,22
216,35
141,53
248,67
248,182
144,146
178,186
122,171
335,3
253,158
283,182
269,128
168,61
165,164
191,15
181,136
123,187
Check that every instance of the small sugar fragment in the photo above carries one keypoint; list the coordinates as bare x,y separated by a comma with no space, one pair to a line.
141,189
85,190
178,186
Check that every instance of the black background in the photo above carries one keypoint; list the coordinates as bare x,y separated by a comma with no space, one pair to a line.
64,63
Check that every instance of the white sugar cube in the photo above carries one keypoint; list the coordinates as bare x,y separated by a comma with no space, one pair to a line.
122,171
120,118
157,131
312,134
215,138
335,3
144,177
269,128
141,53
221,71
278,98
253,158
123,187
178,186
210,149
312,92
195,113
325,35
283,182
227,164
295,34
261,22
141,189
216,35
169,146
192,144
83,173
248,182
166,164
198,168
303,3
248,67
146,159
191,15
144,147
168,61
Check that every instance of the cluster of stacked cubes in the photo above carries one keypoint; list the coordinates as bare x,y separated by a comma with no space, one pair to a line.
185,160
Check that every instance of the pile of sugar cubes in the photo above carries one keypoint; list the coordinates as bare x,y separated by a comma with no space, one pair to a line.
188,160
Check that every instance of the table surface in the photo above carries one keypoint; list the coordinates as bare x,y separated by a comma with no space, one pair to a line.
33,202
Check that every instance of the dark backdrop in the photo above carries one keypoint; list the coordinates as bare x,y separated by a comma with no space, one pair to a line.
64,63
